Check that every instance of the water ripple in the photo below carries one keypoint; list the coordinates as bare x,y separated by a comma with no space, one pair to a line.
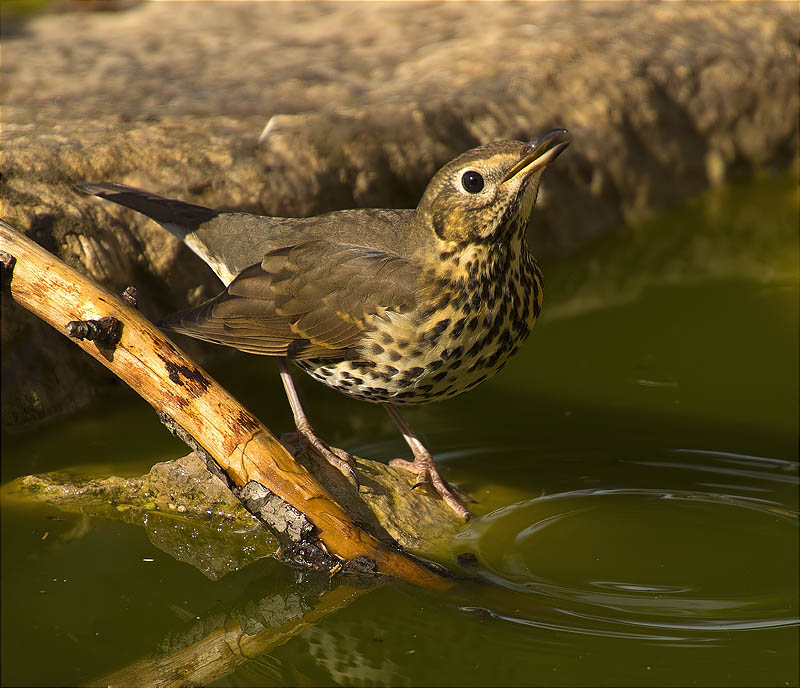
661,565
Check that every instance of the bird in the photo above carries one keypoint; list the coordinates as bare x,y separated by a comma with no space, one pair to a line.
394,307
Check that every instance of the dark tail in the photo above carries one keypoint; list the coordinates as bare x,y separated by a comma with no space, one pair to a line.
176,216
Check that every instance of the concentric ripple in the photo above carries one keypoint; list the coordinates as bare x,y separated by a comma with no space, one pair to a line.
656,564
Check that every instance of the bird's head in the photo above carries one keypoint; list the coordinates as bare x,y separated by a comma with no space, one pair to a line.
487,194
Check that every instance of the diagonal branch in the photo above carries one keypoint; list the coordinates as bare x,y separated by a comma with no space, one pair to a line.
174,385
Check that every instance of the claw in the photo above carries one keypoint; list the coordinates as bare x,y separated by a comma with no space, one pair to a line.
424,468
426,473
348,461
331,456
341,463
353,477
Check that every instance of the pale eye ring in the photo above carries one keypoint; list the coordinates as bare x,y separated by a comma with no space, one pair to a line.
472,181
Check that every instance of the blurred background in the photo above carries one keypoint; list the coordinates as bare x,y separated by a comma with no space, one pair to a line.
299,108
635,466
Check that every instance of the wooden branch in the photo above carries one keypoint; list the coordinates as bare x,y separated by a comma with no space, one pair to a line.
170,382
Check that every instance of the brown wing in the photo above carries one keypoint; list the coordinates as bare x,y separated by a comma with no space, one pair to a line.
312,300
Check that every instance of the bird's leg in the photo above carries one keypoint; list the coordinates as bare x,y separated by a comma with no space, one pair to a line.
423,465
307,432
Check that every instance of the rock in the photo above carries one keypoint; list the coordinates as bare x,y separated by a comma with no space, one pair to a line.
341,105
193,516
212,531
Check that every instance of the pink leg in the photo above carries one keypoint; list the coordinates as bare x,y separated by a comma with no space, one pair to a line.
423,465
305,429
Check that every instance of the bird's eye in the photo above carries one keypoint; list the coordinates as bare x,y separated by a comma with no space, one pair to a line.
472,181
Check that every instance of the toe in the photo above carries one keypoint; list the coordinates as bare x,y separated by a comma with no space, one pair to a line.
402,463
346,470
460,510
346,465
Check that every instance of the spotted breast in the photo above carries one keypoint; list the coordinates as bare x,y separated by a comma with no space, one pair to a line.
484,301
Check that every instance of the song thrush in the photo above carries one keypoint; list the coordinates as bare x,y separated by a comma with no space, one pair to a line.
390,306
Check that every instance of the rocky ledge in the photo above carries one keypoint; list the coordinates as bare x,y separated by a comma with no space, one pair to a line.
295,109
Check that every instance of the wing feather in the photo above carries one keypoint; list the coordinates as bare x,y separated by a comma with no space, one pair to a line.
312,300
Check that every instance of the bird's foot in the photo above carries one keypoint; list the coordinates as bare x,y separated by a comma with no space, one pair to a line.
338,458
425,469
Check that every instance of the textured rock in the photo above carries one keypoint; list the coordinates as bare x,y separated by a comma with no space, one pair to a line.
363,102
192,515
186,512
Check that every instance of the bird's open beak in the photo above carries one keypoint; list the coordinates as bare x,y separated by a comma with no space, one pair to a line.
543,150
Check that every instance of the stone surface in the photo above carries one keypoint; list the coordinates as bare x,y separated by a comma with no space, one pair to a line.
299,108
193,516
185,511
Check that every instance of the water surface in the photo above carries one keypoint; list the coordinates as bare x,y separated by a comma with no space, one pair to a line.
635,469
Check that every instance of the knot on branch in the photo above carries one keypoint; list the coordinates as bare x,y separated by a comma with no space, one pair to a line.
361,564
7,263
106,332
131,296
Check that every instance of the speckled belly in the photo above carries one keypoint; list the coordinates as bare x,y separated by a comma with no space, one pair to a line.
461,340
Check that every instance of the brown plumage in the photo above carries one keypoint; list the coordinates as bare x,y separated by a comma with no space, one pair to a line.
389,306
311,300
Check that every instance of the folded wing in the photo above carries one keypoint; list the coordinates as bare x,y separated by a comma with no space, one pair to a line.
312,300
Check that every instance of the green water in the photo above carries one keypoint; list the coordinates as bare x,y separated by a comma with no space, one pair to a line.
635,470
